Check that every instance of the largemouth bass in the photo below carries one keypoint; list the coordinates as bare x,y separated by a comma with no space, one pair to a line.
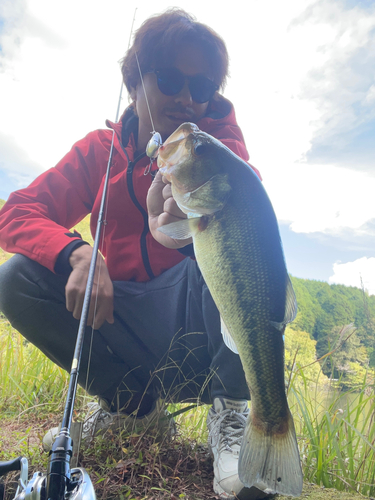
238,249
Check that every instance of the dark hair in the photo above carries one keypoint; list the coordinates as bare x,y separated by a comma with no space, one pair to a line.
159,39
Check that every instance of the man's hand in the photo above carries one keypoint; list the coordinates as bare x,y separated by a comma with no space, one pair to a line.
162,210
102,292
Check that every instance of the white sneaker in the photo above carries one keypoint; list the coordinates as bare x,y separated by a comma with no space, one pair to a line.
226,422
157,421
98,419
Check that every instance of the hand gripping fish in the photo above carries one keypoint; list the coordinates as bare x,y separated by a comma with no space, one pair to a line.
238,249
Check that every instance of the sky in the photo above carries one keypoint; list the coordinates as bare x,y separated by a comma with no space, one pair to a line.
302,80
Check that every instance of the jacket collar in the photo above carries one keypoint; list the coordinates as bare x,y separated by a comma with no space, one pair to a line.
220,112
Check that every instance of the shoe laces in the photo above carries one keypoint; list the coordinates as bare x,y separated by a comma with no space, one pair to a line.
96,415
229,426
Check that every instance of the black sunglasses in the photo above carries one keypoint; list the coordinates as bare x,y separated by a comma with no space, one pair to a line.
171,81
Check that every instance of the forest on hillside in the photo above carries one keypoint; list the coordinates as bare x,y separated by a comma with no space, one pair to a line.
332,319
339,320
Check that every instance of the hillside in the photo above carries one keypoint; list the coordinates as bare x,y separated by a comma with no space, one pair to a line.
324,309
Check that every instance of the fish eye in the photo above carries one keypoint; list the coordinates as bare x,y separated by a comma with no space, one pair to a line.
200,149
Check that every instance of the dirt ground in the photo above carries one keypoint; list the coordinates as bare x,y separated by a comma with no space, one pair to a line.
137,468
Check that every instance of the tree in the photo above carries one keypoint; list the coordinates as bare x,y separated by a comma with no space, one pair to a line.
300,356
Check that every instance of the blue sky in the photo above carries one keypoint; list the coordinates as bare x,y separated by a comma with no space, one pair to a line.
302,83
311,255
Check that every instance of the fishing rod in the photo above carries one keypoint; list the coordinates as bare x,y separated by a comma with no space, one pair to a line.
61,481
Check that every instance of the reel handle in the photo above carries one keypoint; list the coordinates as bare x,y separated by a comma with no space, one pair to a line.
9,466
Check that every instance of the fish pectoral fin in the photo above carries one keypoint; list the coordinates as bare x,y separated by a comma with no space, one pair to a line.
227,337
270,461
181,230
290,307
291,303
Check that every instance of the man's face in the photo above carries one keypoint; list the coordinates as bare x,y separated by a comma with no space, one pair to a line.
168,112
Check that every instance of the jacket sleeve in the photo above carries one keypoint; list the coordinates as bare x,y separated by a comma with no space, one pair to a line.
35,221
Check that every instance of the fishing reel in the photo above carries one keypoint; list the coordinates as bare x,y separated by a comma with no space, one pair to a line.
77,487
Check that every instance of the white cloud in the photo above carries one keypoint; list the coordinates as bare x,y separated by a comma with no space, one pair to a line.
370,95
351,273
15,162
321,198
341,78
309,85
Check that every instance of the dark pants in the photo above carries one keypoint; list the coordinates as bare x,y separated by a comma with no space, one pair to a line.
165,341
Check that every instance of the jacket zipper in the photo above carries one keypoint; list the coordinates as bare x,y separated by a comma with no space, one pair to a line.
146,229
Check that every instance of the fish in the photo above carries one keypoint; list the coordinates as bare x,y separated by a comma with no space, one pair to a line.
239,252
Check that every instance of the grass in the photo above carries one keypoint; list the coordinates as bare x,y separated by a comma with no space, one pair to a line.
336,434
29,382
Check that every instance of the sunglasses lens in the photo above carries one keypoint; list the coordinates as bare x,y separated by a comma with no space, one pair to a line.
201,88
170,81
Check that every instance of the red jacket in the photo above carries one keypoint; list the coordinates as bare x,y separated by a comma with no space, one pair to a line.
36,220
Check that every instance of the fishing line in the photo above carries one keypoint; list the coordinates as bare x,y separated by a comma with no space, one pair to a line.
144,90
155,142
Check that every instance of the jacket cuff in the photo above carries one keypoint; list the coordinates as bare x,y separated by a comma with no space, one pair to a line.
62,265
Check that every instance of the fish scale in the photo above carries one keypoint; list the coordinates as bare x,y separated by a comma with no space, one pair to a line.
242,300
239,252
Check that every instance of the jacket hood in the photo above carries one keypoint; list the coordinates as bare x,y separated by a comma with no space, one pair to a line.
220,113
220,122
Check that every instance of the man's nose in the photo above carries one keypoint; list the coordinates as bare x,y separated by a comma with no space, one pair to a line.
184,97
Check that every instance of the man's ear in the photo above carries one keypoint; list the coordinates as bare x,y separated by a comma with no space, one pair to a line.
133,94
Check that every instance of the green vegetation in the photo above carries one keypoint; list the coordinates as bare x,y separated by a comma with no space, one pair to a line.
336,431
323,311
29,381
337,437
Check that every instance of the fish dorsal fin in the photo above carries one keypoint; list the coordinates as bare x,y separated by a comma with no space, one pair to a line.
290,307
181,230
291,303
227,337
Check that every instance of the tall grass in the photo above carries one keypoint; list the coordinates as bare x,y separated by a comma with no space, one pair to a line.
29,381
336,436
336,431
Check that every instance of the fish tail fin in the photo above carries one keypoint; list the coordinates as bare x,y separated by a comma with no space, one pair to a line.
270,461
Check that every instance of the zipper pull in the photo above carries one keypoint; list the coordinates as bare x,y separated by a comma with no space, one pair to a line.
148,168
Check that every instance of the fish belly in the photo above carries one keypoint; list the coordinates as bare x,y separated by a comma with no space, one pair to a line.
234,270
241,259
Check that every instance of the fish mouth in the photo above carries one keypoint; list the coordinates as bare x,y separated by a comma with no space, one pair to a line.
175,139
175,150
170,156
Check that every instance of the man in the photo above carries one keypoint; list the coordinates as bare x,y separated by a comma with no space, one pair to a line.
149,296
